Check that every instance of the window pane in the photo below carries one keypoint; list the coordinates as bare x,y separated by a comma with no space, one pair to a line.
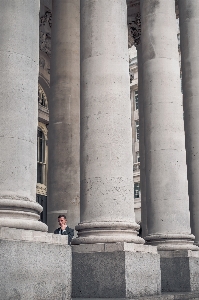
41,167
136,100
136,190
137,130
39,173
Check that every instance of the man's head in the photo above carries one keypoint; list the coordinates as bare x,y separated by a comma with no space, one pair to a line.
62,220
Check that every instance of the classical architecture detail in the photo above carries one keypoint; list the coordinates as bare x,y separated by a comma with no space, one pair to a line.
45,33
135,29
44,129
131,74
113,159
42,99
41,189
42,62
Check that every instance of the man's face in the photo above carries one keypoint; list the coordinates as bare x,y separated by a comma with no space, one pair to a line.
62,221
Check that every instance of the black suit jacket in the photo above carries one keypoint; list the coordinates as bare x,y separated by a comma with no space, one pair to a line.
69,231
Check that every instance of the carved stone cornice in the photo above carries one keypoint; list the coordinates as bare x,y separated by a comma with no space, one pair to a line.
45,32
133,8
134,26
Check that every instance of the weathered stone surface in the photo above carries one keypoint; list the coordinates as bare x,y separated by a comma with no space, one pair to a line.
189,44
168,218
107,206
116,274
164,296
179,271
64,118
33,268
19,56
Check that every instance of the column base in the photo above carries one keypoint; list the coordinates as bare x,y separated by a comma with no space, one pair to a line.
34,265
115,270
179,270
172,242
107,232
21,214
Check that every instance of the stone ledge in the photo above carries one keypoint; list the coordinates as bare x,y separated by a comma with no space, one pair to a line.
179,253
112,247
30,270
164,296
14,234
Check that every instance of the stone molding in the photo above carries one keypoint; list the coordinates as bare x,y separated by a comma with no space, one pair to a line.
15,234
42,98
172,241
107,232
134,26
45,32
112,247
41,189
21,214
44,129
47,81
43,64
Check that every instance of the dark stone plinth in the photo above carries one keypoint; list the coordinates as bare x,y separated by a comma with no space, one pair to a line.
120,270
179,271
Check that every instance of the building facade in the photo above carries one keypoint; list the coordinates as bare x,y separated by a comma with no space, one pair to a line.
80,117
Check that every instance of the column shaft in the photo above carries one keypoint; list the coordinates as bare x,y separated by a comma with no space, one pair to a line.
19,57
64,107
189,20
168,219
141,143
107,206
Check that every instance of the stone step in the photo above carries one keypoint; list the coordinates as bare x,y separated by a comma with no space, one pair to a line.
163,296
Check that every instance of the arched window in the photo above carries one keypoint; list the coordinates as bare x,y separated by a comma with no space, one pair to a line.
42,99
41,159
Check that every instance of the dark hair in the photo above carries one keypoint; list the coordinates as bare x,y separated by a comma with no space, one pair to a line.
62,216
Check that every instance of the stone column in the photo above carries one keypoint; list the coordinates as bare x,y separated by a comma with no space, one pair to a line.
19,56
168,217
107,244
107,204
64,107
141,143
189,20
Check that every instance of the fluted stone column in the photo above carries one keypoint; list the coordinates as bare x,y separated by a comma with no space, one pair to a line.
19,57
141,143
189,42
168,219
107,206
64,110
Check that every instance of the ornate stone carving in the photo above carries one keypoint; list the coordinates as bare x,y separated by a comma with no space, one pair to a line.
42,99
136,167
45,33
42,62
135,28
41,189
131,74
44,129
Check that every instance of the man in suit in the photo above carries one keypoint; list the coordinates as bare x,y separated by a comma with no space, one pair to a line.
64,229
